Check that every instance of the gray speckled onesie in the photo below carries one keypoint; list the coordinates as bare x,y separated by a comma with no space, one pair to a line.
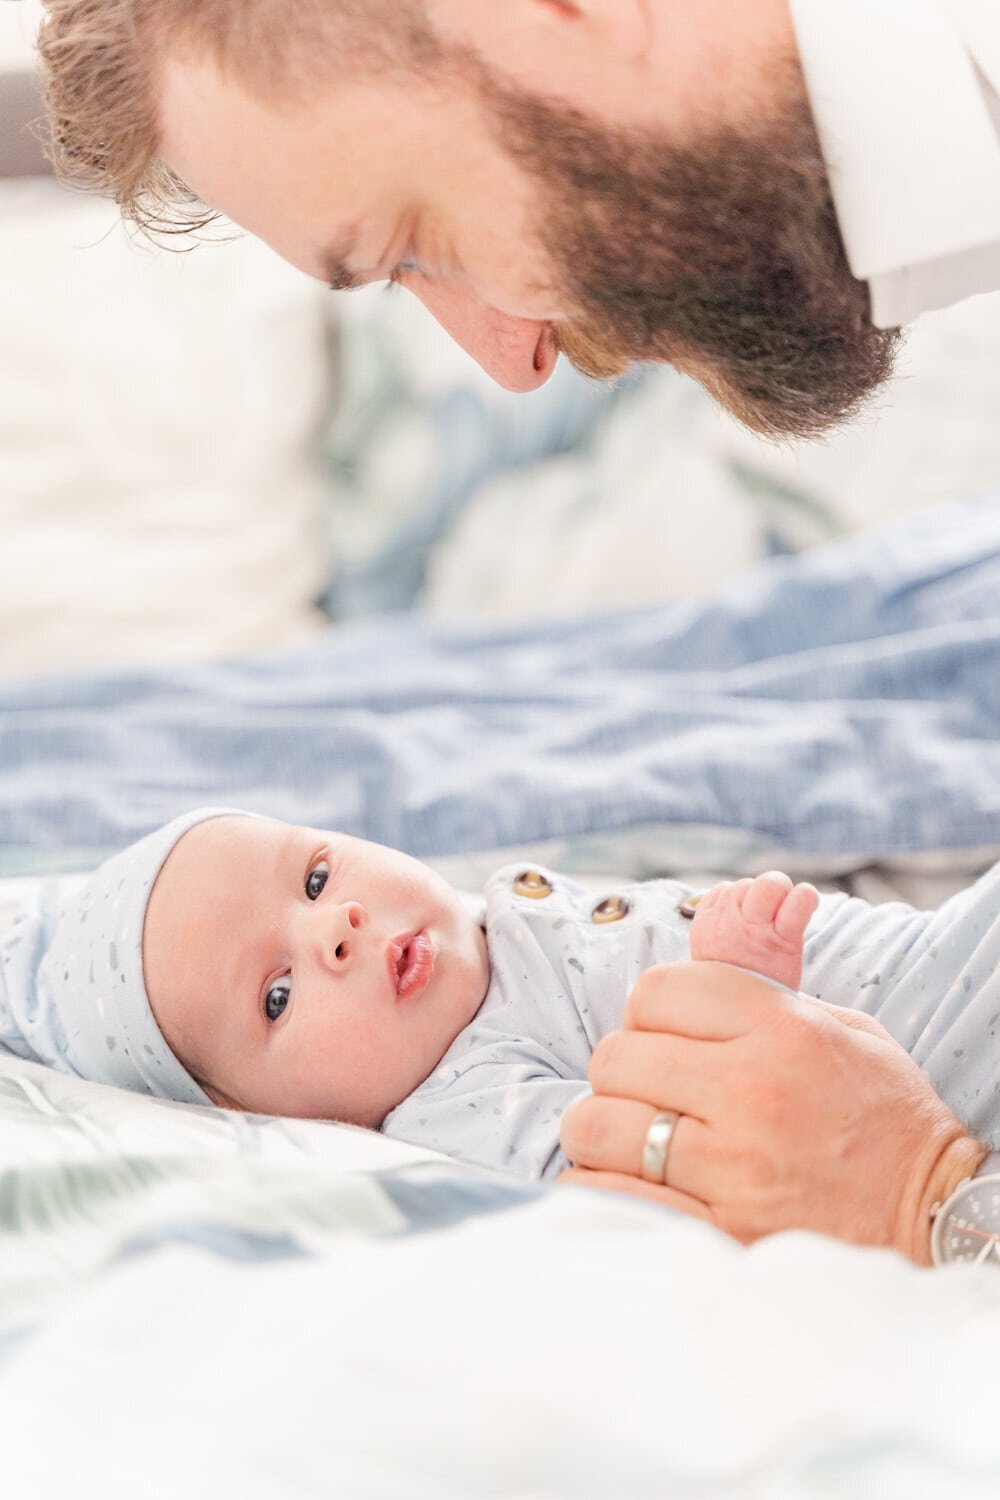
560,980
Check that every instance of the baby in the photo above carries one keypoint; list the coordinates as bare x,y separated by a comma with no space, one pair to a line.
233,959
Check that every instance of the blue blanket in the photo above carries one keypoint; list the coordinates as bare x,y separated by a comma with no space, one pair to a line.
847,700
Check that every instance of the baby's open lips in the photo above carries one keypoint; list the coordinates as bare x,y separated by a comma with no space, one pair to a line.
411,959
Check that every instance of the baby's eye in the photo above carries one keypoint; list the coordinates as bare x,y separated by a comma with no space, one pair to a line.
277,997
316,880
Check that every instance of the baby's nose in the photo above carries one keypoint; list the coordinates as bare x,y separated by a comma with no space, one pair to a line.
345,922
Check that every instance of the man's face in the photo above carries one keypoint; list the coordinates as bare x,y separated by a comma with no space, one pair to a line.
528,226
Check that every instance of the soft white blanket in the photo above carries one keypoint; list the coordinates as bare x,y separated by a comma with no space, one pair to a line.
201,1304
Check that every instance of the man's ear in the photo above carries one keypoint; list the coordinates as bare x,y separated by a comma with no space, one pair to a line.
607,28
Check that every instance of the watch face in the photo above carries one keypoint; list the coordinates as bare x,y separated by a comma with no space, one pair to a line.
968,1226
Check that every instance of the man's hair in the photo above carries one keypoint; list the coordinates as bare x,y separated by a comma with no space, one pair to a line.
101,59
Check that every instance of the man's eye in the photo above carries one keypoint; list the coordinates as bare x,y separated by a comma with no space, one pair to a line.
316,880
277,998
409,265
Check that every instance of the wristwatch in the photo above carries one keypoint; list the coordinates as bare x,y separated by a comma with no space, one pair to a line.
967,1224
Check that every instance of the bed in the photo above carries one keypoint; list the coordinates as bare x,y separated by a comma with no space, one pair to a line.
198,1302
280,1307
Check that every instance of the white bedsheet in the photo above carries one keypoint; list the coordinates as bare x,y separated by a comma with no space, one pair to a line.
200,1304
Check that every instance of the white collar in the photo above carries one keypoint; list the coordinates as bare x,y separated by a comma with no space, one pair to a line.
904,97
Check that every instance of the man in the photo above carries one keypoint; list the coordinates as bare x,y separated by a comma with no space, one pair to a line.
622,179
759,191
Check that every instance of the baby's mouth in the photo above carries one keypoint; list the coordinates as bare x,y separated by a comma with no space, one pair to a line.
412,959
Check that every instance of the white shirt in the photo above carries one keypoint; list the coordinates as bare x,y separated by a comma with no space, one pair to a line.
906,98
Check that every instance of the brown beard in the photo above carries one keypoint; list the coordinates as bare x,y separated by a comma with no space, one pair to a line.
723,257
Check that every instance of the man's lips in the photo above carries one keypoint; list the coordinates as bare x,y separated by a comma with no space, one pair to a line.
411,960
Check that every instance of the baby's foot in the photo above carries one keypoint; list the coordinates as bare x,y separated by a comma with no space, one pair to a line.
759,924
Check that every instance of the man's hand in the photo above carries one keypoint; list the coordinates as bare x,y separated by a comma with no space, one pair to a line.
795,1114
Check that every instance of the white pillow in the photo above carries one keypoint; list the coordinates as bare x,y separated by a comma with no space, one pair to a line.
639,516
932,435
162,484
675,497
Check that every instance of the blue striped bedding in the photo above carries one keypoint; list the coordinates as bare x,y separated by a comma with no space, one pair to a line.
841,703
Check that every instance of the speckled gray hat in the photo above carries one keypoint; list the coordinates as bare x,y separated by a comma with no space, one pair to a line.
71,986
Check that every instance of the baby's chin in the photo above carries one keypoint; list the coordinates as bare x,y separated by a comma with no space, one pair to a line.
479,979
219,1098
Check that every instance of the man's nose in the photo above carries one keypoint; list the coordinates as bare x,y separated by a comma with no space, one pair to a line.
519,353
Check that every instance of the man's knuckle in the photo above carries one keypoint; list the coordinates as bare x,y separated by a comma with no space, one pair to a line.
607,1056
584,1131
647,992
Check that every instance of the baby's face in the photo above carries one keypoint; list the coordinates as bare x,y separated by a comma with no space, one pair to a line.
306,973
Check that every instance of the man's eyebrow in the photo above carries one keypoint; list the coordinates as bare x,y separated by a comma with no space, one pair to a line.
335,261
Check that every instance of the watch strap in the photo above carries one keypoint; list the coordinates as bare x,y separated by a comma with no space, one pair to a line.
990,1166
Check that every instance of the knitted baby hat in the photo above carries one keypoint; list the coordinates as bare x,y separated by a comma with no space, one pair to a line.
72,993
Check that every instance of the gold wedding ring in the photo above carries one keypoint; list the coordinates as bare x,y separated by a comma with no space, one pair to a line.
657,1145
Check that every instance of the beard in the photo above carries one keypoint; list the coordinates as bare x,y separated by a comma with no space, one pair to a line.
722,257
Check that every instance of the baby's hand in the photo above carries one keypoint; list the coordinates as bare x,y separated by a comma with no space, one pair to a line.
759,924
